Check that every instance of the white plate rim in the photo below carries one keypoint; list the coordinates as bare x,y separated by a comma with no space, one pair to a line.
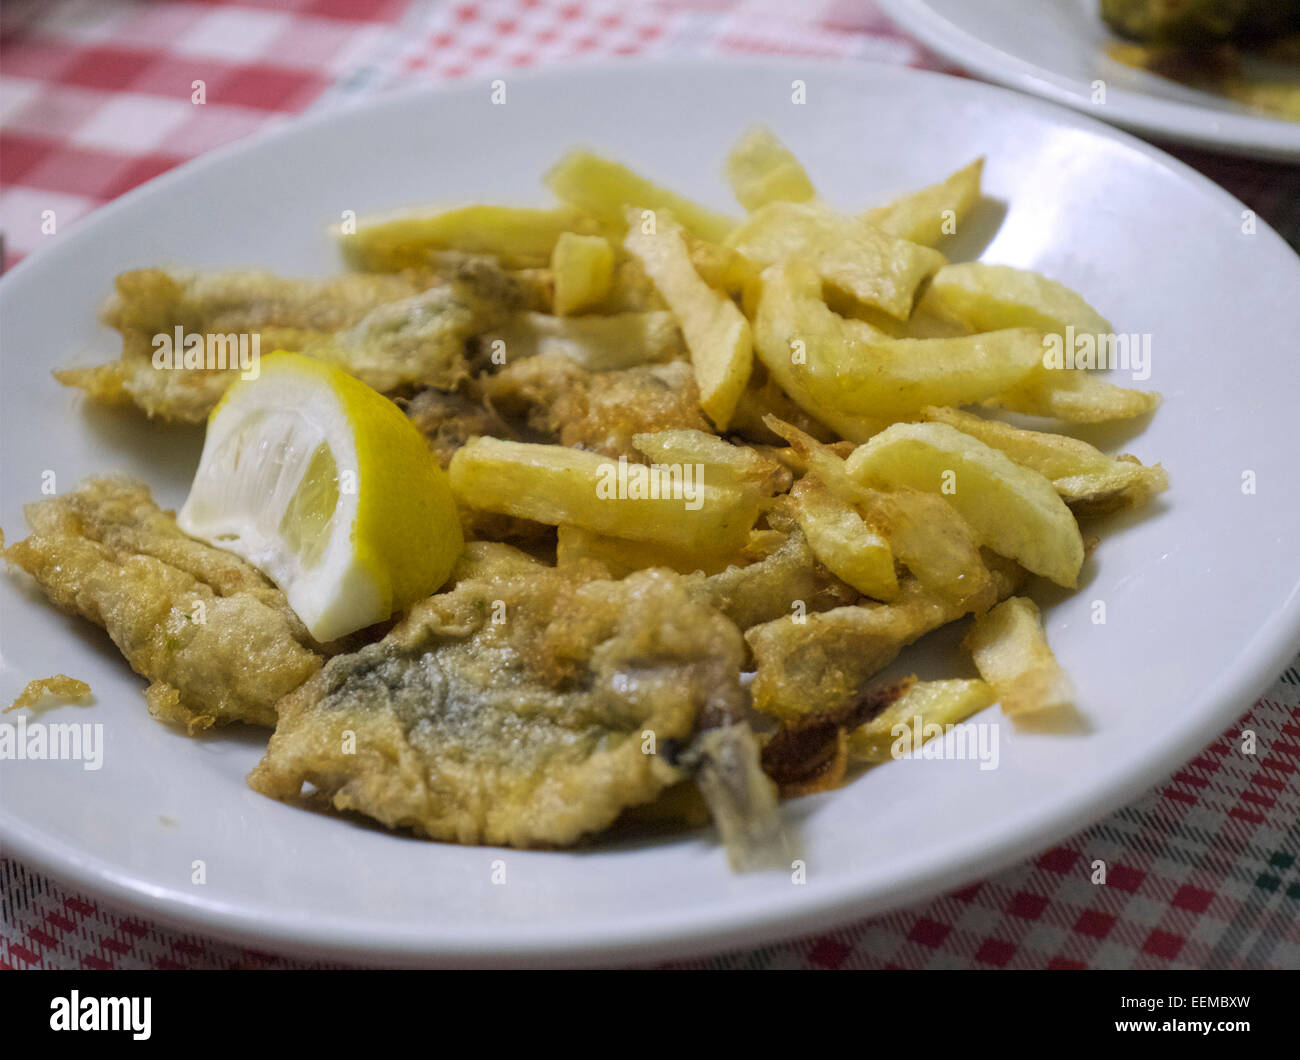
1241,134
750,922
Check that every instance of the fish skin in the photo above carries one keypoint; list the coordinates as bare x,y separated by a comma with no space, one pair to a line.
528,731
217,641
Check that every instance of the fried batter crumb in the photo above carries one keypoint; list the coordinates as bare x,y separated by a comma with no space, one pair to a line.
60,686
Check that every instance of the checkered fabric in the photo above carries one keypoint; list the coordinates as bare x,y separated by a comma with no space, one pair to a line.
97,96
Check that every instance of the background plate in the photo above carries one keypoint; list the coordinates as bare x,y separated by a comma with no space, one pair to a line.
1202,596
1057,49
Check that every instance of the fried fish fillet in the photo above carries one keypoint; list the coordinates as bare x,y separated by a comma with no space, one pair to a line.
391,331
517,708
217,641
415,341
449,419
772,588
282,312
600,411
820,663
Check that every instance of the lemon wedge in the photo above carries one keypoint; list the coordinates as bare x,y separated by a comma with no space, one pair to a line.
327,488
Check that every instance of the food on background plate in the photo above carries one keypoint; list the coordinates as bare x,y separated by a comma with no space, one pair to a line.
1198,22
492,546
1245,50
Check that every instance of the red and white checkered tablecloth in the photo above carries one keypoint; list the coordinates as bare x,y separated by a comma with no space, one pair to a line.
96,96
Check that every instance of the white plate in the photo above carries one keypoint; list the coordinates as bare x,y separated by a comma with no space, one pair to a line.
1056,49
1202,593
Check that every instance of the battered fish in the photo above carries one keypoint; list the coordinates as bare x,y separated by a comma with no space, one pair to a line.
820,663
600,411
527,706
217,641
450,419
391,331
772,588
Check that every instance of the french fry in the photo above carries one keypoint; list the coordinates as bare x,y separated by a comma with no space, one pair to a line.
560,486
606,189
989,297
584,272
1075,397
843,374
519,237
924,706
844,543
933,541
716,332
855,258
1011,653
1015,511
601,343
925,533
1088,480
924,323
720,267
734,466
927,215
761,169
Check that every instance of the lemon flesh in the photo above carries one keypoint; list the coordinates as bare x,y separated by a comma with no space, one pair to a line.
327,488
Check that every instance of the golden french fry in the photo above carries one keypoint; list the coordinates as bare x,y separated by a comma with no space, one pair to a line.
717,334
924,323
606,189
519,236
1011,653
1088,480
761,169
583,267
571,487
935,542
845,375
735,466
921,713
1074,396
925,533
720,267
850,255
844,543
927,215
990,297
1015,511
